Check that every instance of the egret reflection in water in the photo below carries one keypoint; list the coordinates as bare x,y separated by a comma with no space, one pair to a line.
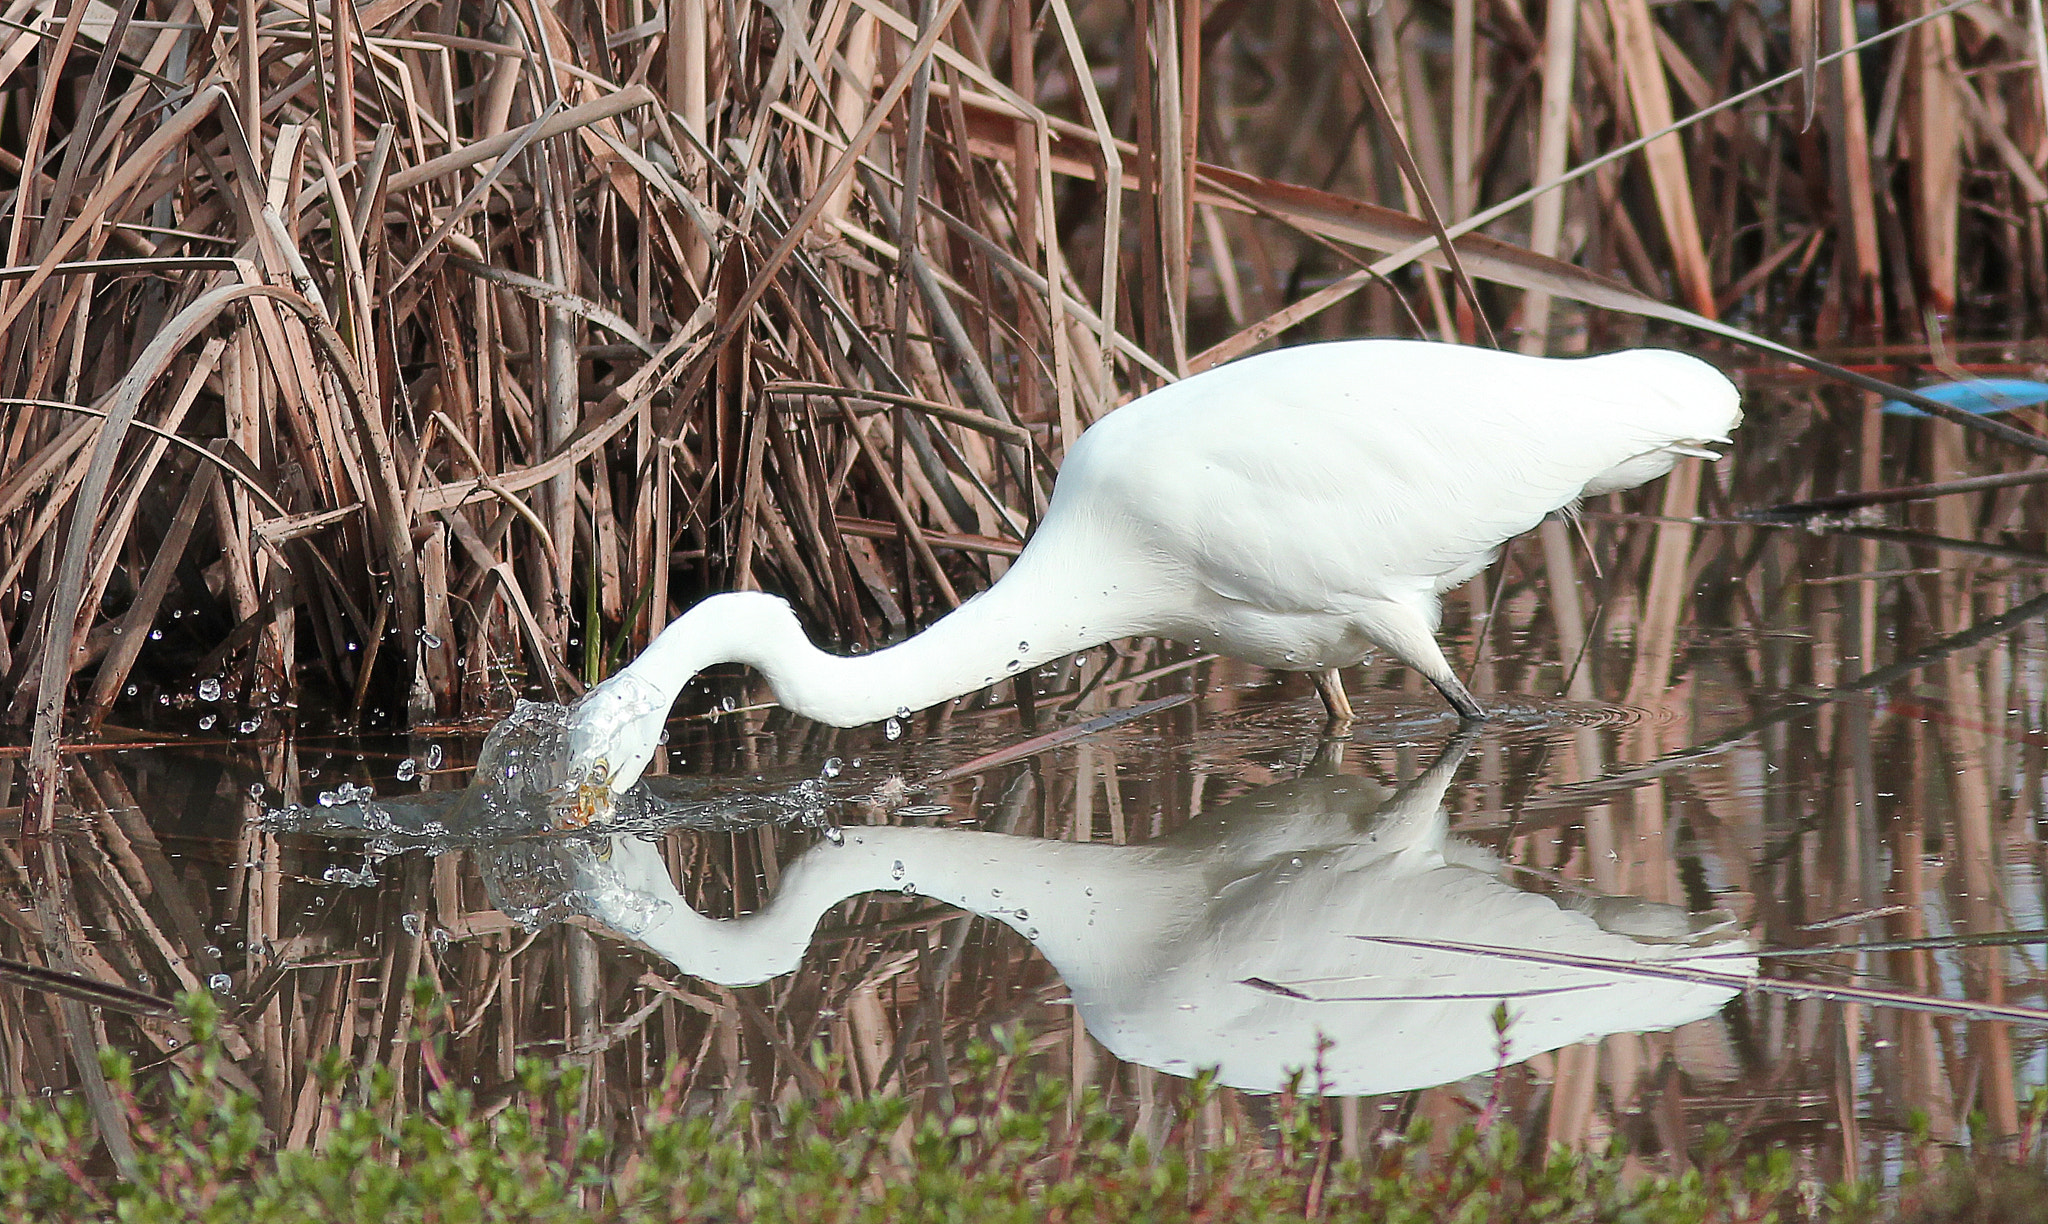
1241,941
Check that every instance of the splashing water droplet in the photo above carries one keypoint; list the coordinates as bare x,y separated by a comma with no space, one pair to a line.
433,640
256,790
248,725
831,769
433,756
408,769
413,924
209,689
220,983
156,635
893,728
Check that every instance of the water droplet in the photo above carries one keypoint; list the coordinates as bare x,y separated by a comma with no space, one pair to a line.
248,725
349,878
27,595
433,756
117,631
156,635
893,728
413,924
896,871
131,690
1023,648
408,769
433,640
831,769
835,835
220,983
256,790
209,689
142,979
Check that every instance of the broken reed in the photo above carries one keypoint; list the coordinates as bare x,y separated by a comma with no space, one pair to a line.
408,355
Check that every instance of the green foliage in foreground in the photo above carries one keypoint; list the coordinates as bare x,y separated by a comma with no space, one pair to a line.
1013,1148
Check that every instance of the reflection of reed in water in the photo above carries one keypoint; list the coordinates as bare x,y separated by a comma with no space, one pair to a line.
1241,941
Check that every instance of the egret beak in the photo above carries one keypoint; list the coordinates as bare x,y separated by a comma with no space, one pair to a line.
590,800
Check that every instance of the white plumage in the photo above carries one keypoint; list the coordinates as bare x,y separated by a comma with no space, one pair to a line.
1294,509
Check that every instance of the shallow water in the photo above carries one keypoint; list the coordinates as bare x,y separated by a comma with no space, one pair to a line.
1732,737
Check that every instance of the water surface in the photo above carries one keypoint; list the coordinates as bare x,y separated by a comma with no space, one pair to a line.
1729,736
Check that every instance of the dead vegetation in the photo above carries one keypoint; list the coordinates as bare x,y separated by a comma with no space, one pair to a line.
413,353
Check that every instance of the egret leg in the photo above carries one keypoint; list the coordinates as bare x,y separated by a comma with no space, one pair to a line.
1409,634
1330,683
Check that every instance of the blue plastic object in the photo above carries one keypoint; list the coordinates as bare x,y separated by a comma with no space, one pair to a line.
1978,395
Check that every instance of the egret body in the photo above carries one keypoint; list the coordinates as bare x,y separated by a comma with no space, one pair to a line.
1294,509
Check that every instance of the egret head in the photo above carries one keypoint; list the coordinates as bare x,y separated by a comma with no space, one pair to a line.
611,734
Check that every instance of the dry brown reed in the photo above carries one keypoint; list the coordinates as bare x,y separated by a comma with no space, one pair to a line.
394,358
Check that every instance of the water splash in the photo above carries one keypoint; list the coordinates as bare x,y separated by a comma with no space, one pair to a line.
537,881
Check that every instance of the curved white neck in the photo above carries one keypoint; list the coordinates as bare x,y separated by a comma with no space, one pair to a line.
1011,879
1033,615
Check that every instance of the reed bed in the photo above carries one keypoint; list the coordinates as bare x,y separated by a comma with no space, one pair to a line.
366,366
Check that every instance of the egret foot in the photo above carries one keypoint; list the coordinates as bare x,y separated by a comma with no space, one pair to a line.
1331,685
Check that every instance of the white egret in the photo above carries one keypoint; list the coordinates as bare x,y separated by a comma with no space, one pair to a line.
1235,942
1295,509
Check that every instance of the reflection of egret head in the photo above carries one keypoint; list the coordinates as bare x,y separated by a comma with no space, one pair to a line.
1295,509
1237,942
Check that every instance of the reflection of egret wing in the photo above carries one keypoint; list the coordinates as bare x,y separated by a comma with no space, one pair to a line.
1255,989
